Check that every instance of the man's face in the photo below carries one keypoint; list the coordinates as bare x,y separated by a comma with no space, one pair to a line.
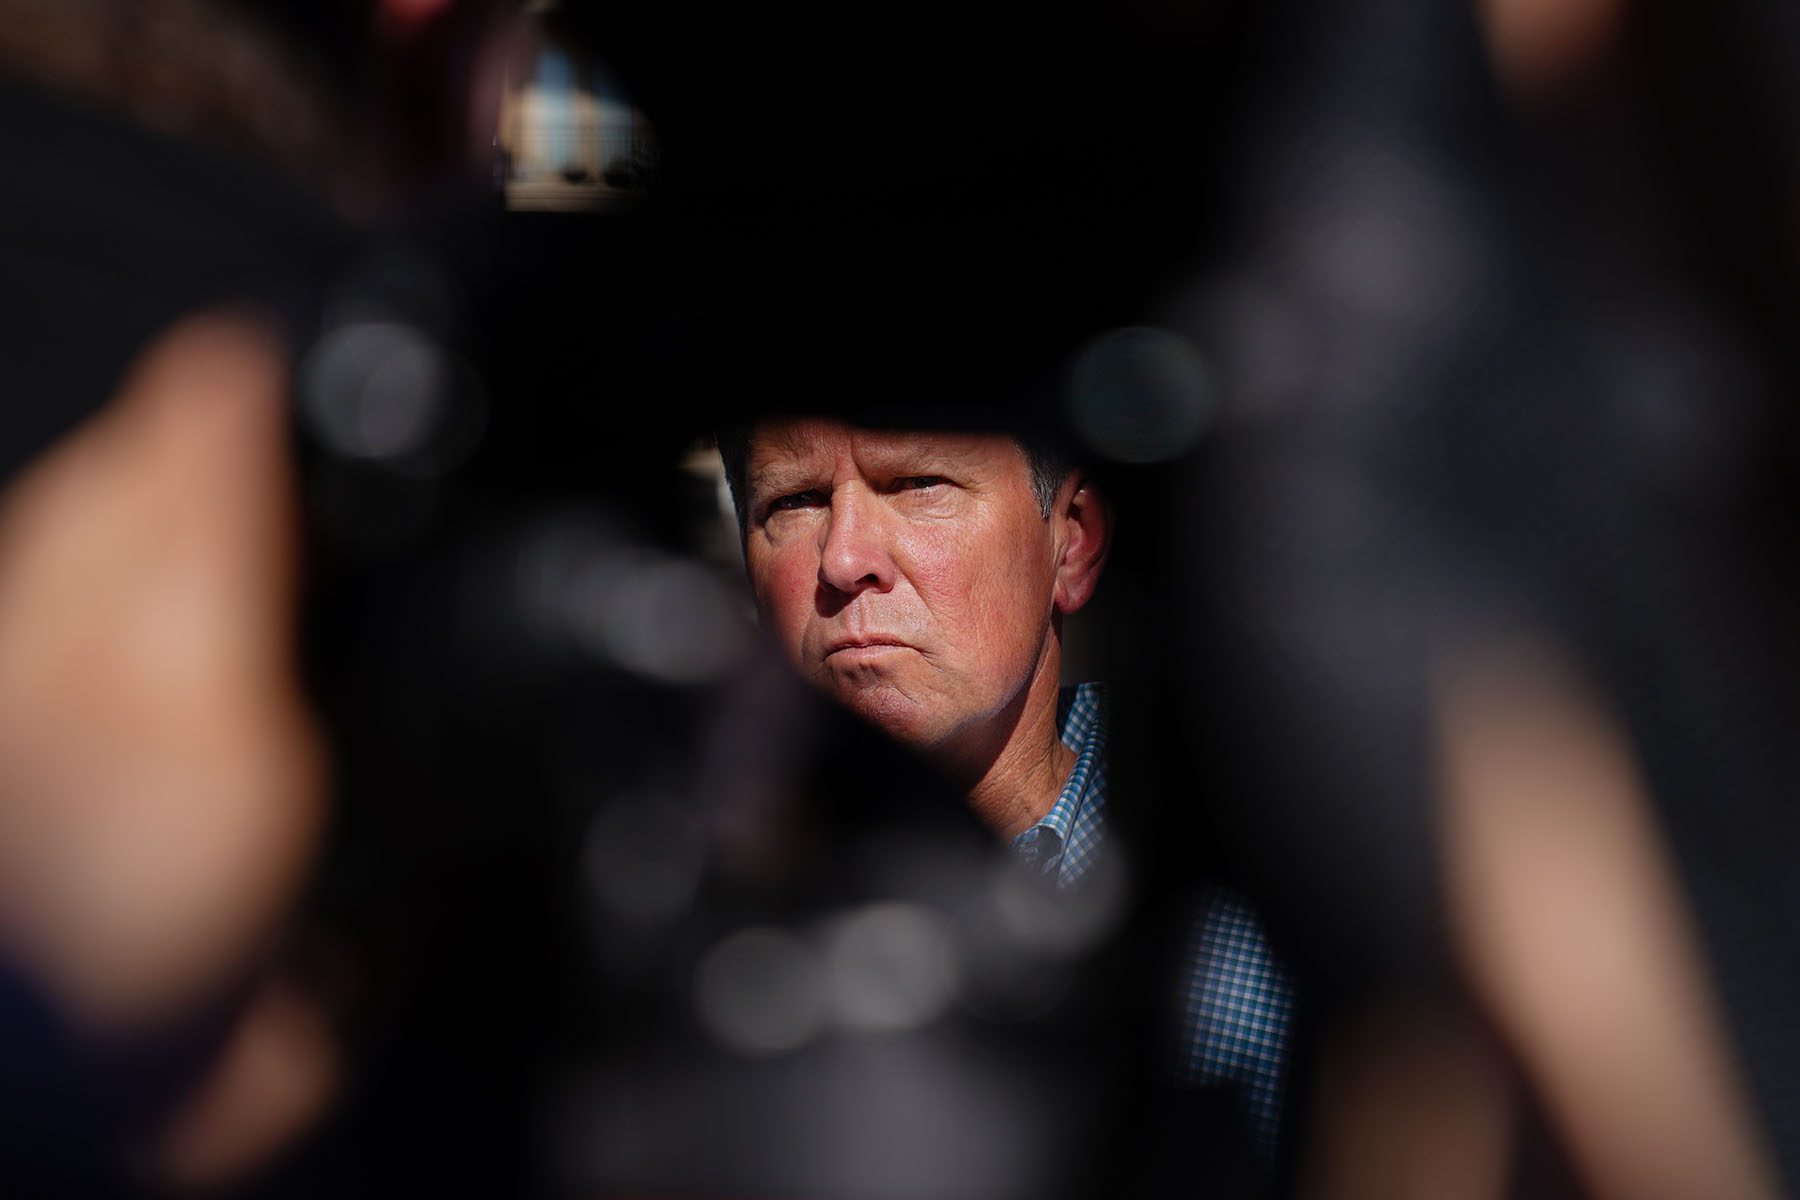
912,576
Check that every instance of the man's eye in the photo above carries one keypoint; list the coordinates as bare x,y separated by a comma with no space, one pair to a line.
793,500
918,483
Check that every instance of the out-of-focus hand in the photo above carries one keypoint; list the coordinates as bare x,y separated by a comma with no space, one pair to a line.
161,785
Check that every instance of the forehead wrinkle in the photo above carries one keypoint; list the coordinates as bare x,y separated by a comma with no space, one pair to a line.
881,447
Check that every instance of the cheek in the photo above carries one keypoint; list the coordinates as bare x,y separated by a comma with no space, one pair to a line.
784,582
986,588
942,569
1013,596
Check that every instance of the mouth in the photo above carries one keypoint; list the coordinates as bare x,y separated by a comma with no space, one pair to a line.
864,647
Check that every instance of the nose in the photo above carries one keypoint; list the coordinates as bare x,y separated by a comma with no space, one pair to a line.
854,556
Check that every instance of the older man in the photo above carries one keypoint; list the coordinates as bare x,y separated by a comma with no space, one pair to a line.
922,580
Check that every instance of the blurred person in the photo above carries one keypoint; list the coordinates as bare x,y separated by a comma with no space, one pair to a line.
162,779
1569,919
1548,892
922,580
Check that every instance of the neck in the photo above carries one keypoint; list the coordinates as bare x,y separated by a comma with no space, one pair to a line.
1012,784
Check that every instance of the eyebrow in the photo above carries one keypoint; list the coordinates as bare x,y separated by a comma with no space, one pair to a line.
780,477
898,452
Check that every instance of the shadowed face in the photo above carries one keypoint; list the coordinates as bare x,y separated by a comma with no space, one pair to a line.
912,576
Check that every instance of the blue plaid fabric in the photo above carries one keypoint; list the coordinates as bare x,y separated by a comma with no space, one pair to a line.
1068,838
1238,1001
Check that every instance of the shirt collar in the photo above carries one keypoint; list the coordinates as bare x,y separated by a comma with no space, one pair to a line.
1066,841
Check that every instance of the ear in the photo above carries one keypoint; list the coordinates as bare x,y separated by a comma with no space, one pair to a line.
1084,518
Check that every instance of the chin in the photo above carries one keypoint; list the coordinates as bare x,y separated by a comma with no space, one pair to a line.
893,712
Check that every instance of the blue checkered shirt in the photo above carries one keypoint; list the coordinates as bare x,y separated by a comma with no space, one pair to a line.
1238,1001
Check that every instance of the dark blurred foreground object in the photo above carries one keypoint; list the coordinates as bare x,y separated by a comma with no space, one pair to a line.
147,582
1468,397
168,237
115,233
